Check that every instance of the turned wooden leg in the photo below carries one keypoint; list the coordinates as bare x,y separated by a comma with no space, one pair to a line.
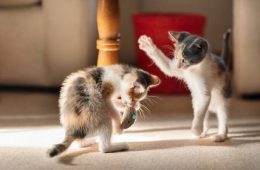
108,43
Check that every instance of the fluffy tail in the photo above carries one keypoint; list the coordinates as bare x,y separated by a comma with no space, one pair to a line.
61,147
226,47
57,149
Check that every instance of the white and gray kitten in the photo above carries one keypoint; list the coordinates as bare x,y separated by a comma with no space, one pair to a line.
91,100
205,73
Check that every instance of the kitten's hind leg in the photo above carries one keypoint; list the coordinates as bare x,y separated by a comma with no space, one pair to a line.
61,147
116,122
105,146
87,142
200,106
222,115
205,125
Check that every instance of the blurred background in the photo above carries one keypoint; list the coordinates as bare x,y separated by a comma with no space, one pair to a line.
42,41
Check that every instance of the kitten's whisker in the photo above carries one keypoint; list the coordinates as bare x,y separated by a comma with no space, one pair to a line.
148,101
140,114
169,49
154,99
143,115
147,109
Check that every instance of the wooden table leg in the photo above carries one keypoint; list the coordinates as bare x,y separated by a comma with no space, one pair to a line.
108,43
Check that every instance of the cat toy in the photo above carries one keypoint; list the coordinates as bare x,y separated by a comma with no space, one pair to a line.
129,117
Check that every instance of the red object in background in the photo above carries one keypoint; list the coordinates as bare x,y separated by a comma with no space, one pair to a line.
156,26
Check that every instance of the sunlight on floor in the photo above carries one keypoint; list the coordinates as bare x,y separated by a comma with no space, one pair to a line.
44,137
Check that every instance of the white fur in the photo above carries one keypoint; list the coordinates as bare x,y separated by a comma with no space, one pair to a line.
205,90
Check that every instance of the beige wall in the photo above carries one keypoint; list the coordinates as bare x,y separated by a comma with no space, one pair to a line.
246,46
40,45
218,12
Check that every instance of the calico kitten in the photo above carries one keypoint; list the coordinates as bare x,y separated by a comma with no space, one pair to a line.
205,73
91,99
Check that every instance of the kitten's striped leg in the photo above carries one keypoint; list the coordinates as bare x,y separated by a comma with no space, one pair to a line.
105,146
61,147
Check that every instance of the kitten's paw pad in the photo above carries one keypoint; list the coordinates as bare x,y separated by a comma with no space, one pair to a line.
146,43
219,138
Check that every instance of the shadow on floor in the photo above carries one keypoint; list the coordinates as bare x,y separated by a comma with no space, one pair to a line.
157,129
68,157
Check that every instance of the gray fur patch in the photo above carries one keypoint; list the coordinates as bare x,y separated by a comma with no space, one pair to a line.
81,94
80,133
144,78
195,49
221,64
126,68
97,75
57,149
227,89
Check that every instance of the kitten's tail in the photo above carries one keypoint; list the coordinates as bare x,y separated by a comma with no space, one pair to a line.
226,47
61,147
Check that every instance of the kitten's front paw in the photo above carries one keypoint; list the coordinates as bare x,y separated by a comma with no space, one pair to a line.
219,138
146,44
204,133
197,131
119,130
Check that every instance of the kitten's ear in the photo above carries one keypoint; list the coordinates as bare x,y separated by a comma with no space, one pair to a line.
138,88
155,81
177,36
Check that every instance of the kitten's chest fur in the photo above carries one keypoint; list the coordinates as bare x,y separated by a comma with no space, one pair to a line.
199,77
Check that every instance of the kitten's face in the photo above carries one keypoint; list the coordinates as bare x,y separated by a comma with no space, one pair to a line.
189,49
136,87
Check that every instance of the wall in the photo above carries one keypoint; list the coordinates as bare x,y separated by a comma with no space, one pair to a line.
246,46
42,44
218,12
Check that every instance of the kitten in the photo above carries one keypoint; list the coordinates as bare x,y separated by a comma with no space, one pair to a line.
91,99
205,73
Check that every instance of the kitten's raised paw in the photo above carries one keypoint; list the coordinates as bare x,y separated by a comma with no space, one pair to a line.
219,138
146,44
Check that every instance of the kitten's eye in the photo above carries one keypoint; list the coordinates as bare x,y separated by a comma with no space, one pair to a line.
119,98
